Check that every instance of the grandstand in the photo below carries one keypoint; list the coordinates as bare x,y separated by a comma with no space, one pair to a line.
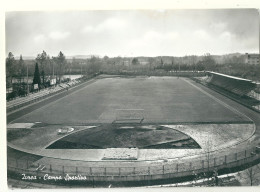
232,84
33,97
241,90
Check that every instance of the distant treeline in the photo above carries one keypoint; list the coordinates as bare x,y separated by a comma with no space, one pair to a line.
56,67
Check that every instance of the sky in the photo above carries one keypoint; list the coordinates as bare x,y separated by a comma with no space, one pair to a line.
133,33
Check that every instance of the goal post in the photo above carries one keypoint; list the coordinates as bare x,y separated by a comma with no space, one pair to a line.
129,116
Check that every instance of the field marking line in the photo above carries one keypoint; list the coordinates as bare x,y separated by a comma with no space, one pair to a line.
43,99
219,101
228,107
41,152
44,106
130,109
72,132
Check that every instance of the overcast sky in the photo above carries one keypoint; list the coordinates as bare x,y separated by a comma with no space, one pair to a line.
133,33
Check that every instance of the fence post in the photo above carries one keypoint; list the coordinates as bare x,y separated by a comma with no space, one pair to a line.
63,169
225,159
190,165
163,169
105,171
177,167
119,170
50,168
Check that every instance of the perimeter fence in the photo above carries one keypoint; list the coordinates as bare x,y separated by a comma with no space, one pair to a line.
157,73
163,169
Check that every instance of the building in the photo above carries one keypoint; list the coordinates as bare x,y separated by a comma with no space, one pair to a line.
252,59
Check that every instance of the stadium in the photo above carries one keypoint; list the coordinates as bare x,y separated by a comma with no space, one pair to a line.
129,130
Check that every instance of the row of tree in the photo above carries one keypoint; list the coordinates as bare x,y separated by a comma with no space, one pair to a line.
207,63
60,65
48,67
14,68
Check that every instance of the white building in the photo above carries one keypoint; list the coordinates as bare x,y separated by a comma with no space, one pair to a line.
252,59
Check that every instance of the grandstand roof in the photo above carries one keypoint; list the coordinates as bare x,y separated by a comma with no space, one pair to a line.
229,76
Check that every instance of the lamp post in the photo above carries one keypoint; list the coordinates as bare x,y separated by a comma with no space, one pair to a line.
208,151
52,70
81,69
27,79
70,71
259,35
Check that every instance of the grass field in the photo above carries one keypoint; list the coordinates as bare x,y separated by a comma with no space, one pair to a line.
122,136
163,99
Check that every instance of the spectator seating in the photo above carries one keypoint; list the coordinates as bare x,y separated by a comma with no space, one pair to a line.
232,84
32,97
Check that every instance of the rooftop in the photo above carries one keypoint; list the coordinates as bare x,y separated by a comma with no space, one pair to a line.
229,76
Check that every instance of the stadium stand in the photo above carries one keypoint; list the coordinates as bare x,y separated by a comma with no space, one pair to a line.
232,84
22,101
241,90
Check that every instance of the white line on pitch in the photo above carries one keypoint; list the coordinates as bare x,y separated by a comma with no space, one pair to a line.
219,101
44,106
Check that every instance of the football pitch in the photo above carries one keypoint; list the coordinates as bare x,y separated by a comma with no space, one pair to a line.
161,99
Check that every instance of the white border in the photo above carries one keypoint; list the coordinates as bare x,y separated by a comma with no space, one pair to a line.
63,5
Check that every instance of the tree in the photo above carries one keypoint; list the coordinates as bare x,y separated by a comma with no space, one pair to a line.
209,62
161,63
60,60
10,68
36,76
106,58
172,62
251,174
21,70
94,65
151,62
168,67
41,58
193,62
49,65
135,61
200,66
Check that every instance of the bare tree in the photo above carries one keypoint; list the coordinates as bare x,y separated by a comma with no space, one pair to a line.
209,62
60,60
151,63
10,68
161,64
21,69
252,174
94,65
